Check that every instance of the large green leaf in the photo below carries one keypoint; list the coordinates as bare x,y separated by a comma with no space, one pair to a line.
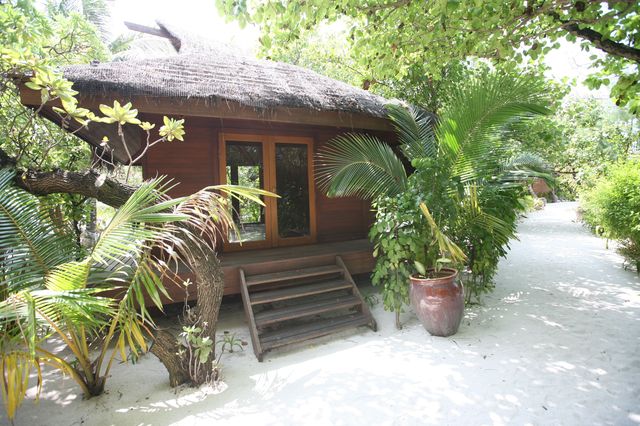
360,166
415,129
30,245
468,133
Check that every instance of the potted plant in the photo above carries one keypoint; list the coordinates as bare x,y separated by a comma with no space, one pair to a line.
436,295
459,167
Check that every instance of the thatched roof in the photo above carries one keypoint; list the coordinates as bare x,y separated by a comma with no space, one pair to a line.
202,72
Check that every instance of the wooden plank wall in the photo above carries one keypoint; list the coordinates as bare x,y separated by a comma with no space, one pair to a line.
194,164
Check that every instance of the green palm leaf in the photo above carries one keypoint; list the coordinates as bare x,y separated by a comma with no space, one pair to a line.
526,166
477,111
30,245
415,129
360,166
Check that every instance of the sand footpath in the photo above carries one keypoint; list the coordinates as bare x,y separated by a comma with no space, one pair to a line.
558,342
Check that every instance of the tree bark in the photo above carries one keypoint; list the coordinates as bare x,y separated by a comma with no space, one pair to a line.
204,261
609,46
165,347
210,281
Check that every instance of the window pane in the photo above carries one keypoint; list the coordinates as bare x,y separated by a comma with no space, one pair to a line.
292,183
244,167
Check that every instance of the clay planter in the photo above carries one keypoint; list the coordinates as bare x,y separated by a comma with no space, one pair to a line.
438,302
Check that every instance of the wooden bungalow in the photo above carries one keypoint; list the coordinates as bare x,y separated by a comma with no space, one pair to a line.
256,123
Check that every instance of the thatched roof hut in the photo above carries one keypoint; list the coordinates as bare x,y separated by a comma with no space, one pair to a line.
254,123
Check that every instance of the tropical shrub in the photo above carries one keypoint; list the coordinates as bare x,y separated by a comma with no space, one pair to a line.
94,302
50,290
612,207
462,174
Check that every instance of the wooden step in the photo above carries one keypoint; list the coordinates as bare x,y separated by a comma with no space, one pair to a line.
293,274
297,291
303,303
312,307
311,330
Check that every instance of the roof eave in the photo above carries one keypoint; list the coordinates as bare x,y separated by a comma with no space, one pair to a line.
198,107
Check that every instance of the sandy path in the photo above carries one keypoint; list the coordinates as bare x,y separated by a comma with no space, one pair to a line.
558,342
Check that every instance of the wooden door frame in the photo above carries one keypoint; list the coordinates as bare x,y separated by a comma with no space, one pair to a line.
268,143
222,161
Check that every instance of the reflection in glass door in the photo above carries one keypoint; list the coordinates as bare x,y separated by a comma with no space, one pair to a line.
292,185
244,166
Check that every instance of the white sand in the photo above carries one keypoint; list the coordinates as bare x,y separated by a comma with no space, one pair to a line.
558,342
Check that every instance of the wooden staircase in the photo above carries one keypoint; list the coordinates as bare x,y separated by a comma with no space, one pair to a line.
300,303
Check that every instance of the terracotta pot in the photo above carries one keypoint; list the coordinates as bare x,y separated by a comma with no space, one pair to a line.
438,302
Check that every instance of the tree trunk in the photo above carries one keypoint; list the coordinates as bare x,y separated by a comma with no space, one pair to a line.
165,347
210,281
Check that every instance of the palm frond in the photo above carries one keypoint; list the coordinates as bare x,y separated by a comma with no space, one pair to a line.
138,221
30,245
477,111
445,245
526,166
415,129
475,216
359,166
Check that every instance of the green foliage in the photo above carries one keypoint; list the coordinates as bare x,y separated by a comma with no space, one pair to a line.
580,141
49,290
33,40
465,190
199,348
230,342
613,205
34,45
397,40
360,166
399,236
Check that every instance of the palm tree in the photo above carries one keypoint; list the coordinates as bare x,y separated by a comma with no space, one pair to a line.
50,289
459,170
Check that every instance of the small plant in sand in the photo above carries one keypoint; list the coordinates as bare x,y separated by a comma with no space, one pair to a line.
230,343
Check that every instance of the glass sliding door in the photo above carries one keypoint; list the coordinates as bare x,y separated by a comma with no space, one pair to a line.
244,165
293,185
282,165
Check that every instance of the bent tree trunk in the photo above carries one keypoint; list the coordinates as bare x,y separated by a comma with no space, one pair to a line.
210,281
202,258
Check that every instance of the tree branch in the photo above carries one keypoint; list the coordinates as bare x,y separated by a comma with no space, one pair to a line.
89,183
609,46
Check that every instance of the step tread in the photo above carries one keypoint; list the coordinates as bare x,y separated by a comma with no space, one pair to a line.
297,291
299,333
300,310
292,274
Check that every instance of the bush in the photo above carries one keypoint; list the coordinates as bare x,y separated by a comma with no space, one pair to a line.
612,208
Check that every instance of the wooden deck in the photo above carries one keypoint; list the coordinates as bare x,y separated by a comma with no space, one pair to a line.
356,254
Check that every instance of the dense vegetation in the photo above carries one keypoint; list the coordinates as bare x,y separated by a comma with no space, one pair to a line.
459,182
92,295
464,181
612,208
391,41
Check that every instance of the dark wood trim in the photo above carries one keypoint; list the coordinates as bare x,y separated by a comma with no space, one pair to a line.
146,30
